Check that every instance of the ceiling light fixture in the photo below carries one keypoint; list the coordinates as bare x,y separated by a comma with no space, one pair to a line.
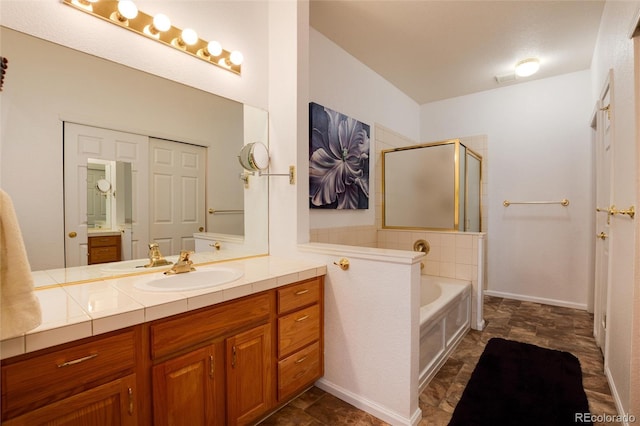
126,10
213,48
125,14
188,38
160,24
527,67
84,4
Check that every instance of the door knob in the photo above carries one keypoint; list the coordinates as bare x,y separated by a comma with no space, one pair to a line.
602,236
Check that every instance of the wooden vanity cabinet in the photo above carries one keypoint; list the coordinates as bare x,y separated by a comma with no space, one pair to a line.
189,389
103,249
249,375
92,381
214,365
108,404
228,364
300,322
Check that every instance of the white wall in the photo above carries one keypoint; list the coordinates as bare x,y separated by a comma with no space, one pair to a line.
372,345
539,149
614,50
237,25
339,81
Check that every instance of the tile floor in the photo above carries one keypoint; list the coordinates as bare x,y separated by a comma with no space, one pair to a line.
547,326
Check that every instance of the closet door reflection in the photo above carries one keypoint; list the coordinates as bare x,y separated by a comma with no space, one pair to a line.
125,160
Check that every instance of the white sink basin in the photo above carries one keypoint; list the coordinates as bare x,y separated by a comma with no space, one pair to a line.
191,280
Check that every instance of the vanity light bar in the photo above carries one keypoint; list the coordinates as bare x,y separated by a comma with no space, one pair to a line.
172,37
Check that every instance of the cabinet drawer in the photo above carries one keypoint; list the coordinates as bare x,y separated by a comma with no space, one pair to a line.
50,377
105,254
298,370
104,241
173,335
298,329
298,295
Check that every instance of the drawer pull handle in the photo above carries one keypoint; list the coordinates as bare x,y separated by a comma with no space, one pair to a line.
301,360
302,318
77,361
301,292
130,402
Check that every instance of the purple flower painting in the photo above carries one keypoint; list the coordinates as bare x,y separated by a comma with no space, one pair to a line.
338,160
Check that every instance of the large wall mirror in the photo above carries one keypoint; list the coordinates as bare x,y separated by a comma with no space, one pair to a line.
116,115
433,186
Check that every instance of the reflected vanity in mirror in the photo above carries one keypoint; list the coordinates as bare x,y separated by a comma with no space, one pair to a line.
130,104
434,186
109,212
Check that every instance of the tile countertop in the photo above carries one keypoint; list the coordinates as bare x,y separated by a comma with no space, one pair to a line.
74,311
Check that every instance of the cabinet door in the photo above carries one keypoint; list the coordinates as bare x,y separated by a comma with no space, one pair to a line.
110,404
249,375
188,390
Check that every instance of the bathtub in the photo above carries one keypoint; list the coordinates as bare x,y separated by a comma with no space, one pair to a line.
445,312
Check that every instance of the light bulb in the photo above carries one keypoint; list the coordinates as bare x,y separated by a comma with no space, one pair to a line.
214,48
127,9
236,57
189,36
85,4
527,67
161,22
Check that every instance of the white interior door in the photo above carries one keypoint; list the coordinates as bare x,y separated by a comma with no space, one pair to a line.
603,159
177,194
84,142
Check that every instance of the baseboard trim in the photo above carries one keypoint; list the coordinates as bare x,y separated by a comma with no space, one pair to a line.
616,397
543,300
370,407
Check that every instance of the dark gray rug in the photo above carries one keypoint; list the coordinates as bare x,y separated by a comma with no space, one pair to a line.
521,384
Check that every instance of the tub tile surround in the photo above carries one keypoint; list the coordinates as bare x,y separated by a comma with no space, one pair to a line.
452,255
72,311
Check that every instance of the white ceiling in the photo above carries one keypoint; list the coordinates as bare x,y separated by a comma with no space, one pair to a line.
434,50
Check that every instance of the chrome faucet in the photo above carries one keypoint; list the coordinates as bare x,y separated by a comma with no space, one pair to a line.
184,264
155,257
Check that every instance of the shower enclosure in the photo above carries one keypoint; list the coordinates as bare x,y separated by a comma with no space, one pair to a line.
433,186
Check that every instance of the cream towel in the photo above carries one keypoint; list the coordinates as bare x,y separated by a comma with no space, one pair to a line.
19,308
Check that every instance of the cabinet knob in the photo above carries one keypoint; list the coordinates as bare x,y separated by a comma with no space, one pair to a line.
73,234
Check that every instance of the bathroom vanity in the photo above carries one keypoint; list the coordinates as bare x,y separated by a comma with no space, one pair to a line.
231,362
103,248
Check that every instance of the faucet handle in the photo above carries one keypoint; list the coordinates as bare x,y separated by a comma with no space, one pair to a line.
184,255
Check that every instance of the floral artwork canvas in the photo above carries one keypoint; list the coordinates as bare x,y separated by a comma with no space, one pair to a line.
338,160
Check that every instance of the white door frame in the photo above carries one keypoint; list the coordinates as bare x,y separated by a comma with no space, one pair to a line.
603,153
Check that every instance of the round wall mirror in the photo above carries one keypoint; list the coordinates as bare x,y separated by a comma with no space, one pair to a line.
103,185
254,157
